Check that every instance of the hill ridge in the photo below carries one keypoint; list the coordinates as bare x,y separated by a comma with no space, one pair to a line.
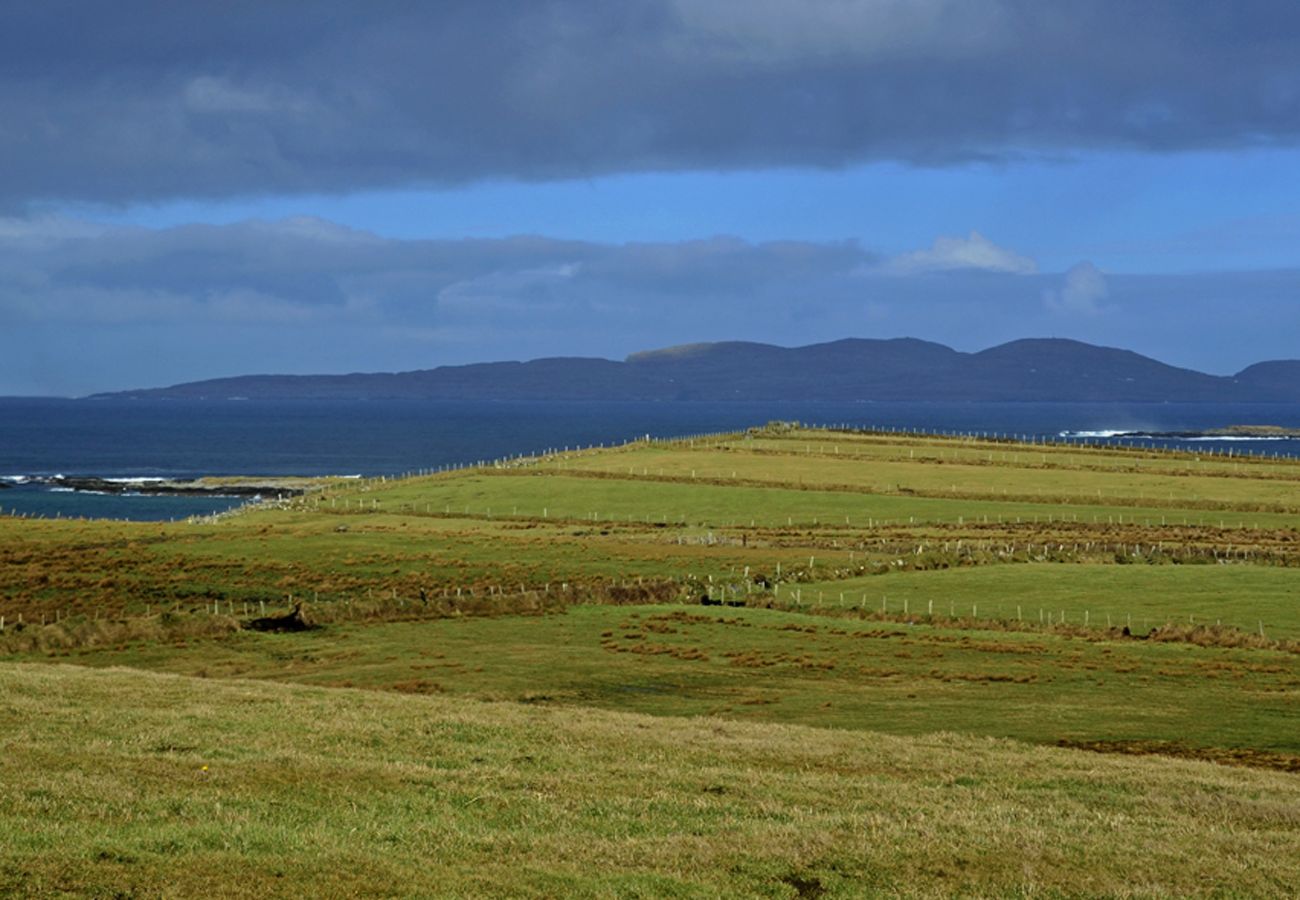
848,369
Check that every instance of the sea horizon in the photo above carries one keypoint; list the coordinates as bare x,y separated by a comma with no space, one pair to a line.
180,439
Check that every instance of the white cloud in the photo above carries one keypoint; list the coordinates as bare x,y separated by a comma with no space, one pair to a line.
1084,286
974,252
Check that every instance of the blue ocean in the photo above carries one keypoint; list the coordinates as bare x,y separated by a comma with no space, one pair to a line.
182,439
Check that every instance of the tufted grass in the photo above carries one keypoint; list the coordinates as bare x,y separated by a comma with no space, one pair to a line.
125,783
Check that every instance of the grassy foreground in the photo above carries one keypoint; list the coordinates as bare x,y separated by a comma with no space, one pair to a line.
145,784
788,662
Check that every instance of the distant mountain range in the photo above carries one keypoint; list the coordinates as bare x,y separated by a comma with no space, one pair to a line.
852,369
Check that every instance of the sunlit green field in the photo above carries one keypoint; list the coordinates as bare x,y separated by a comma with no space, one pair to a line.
994,473
124,783
1136,596
955,603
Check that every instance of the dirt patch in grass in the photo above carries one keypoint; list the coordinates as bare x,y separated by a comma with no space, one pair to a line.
692,619
968,643
985,677
648,648
417,686
756,659
1228,756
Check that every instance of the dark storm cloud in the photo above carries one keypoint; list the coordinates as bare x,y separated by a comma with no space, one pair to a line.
139,100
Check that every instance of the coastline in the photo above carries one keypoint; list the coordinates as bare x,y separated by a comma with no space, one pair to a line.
200,487
148,499
169,459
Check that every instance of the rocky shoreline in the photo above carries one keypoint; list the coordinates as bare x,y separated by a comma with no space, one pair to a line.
267,488
1232,431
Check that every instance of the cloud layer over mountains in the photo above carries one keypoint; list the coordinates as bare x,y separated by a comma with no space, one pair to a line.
94,307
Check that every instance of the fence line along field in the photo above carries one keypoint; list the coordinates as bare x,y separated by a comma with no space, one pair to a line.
790,611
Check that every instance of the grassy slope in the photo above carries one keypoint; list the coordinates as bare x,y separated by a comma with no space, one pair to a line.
548,522
104,790
641,499
984,476
786,667
101,779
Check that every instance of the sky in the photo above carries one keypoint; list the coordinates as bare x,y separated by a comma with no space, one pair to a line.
203,189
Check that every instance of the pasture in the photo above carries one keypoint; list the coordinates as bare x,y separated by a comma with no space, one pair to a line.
850,633
788,667
121,783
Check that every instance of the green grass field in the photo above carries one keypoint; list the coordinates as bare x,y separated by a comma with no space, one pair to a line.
124,783
972,476
1138,596
921,686
649,501
771,665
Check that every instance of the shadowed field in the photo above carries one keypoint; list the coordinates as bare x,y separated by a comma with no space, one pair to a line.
788,667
